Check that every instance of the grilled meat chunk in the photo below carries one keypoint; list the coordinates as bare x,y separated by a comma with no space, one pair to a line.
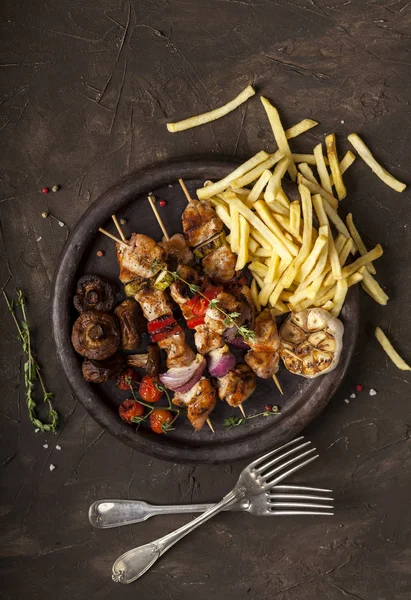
237,385
200,222
143,257
206,339
154,303
216,320
178,249
179,353
266,334
180,291
220,264
199,401
264,364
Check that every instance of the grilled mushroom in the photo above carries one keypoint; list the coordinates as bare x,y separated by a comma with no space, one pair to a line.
150,362
311,342
96,335
100,371
132,324
93,293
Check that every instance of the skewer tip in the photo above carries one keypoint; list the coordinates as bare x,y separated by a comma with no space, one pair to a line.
185,190
209,423
277,383
240,406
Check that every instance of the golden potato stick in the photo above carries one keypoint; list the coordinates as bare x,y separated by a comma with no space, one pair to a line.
240,191
274,185
312,259
263,252
268,219
217,201
368,158
285,296
315,287
254,295
279,134
332,252
224,215
389,349
272,273
373,288
285,281
259,268
339,242
317,189
301,291
358,241
255,222
295,218
362,261
307,224
278,209
266,292
307,172
331,145
341,289
219,186
235,229
253,246
282,198
307,158
300,128
242,258
345,164
322,169
256,235
212,115
258,188
327,293
338,223
255,173
286,223
342,258
328,305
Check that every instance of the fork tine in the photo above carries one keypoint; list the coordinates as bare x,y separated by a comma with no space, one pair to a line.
300,505
281,513
281,466
280,458
258,460
302,488
299,497
294,469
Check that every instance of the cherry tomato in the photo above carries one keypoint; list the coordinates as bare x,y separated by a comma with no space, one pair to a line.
128,378
149,390
160,419
130,409
195,322
198,304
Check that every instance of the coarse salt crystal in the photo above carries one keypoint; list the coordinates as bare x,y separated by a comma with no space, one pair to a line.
61,223
346,400
342,122
353,396
58,447
52,467
373,392
45,446
36,430
38,239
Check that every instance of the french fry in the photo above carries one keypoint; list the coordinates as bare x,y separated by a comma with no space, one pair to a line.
373,288
317,189
307,172
240,191
332,252
312,259
339,242
256,235
242,257
362,261
307,158
322,169
330,144
263,252
254,246
255,173
213,114
279,135
259,268
219,186
266,292
307,224
295,218
285,281
278,209
358,241
391,352
338,223
235,229
272,273
258,188
300,128
224,215
327,293
285,223
345,164
341,290
368,158
267,218
274,184
342,258
328,305
301,291
255,222
282,198
254,295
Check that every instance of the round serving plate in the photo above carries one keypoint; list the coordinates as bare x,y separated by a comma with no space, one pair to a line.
303,399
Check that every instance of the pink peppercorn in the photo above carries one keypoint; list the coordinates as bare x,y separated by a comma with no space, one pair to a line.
359,387
100,253
45,190
163,203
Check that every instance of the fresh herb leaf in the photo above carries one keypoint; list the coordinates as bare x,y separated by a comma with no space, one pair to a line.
237,421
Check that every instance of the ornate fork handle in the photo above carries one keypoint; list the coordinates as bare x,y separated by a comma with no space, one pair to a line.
134,563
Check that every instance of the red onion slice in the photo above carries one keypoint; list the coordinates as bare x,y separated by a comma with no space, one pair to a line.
219,363
178,377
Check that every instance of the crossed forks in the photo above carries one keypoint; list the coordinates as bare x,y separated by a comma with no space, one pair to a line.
257,491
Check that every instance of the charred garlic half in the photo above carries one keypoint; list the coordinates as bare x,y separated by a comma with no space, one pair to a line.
311,342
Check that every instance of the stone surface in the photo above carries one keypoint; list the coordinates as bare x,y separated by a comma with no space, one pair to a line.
86,91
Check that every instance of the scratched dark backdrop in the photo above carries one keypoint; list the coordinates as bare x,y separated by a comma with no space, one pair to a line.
86,90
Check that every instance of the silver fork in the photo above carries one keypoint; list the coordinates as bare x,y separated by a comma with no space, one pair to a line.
104,514
260,476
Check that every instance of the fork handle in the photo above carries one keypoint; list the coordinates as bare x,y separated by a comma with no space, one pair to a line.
134,563
105,514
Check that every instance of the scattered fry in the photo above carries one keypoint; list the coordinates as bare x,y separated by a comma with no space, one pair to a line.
279,135
242,258
391,352
274,183
373,288
258,188
300,128
341,290
330,144
317,189
358,241
322,169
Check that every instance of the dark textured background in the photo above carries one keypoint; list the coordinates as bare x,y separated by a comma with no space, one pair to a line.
86,89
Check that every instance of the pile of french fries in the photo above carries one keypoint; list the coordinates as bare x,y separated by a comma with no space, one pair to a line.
296,250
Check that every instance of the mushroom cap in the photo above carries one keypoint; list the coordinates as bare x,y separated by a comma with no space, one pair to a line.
96,335
100,371
311,342
93,292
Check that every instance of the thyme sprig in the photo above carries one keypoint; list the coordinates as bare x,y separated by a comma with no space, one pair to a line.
229,318
237,421
32,372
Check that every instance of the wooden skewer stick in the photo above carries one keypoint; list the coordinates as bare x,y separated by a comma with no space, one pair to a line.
277,383
240,406
185,190
159,219
120,231
113,237
163,229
